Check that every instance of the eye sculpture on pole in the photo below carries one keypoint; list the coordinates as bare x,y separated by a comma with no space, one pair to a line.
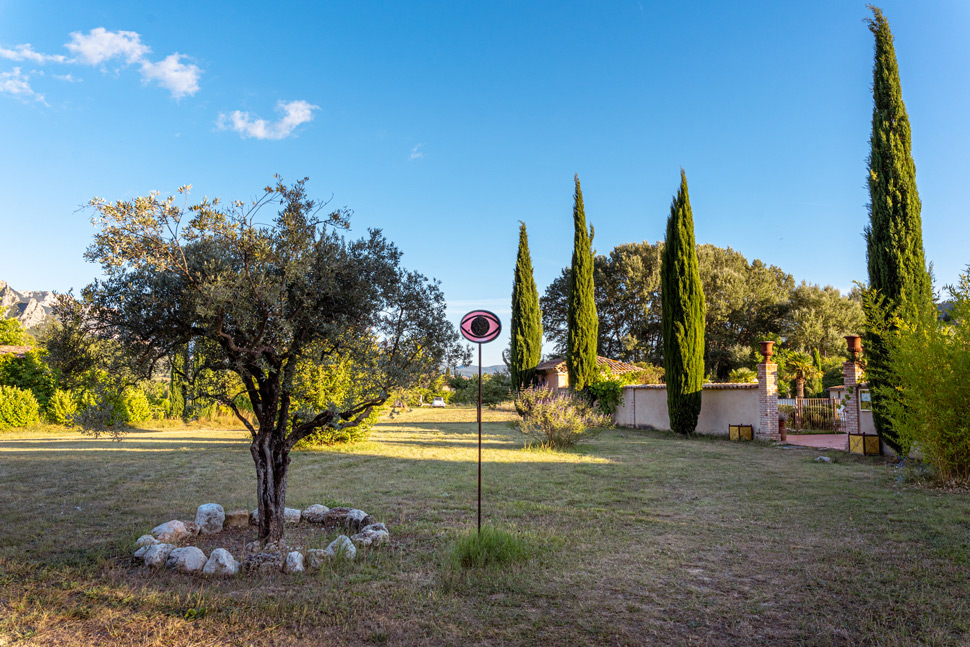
480,327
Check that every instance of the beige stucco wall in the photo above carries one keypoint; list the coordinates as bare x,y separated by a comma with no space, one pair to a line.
646,407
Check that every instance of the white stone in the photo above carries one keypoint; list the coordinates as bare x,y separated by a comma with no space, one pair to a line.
823,459
355,519
314,514
342,548
221,562
374,526
145,540
186,560
254,517
156,556
142,544
293,563
370,537
210,517
291,515
317,557
170,532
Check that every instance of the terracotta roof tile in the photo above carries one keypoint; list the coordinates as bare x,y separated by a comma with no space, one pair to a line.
17,351
617,368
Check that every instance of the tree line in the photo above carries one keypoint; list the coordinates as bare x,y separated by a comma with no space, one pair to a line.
746,302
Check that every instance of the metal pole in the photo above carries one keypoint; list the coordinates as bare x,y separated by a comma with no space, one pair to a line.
479,439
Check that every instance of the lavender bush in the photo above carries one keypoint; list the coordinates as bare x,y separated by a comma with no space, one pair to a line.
557,420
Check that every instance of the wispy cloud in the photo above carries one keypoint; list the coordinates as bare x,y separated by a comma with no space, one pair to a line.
293,113
99,47
26,52
17,83
416,153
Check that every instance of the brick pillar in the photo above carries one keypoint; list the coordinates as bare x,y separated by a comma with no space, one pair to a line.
768,401
851,372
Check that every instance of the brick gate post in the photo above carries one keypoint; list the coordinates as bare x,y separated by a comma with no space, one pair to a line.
767,395
851,372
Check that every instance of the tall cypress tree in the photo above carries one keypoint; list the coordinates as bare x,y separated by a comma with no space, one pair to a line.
898,277
682,304
177,385
526,318
582,322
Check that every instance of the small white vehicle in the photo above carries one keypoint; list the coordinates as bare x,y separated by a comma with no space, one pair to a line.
438,403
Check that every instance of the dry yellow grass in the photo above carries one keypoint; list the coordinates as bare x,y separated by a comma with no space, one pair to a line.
641,538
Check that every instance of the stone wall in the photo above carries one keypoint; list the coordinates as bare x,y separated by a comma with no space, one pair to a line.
645,406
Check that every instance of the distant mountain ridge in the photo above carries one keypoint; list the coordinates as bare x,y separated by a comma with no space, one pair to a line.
469,371
31,308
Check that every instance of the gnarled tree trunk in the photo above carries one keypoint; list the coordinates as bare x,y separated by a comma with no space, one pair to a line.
272,460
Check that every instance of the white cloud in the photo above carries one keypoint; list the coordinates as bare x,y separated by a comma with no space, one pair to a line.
178,78
416,153
100,45
18,84
70,78
294,113
26,52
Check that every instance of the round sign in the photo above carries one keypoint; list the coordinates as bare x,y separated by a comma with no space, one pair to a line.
480,326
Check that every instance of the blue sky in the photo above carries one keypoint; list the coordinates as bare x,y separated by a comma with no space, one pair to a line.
445,123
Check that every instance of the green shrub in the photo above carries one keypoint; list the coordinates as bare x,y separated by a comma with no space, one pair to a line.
327,437
62,407
833,376
29,372
18,407
490,547
648,374
927,403
556,420
606,395
742,376
12,332
495,388
157,394
135,406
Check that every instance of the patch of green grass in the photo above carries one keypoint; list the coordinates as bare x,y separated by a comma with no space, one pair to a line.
491,547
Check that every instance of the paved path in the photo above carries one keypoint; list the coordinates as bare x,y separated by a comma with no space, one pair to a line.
819,441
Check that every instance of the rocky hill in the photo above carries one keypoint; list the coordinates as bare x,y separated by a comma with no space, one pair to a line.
31,309
472,371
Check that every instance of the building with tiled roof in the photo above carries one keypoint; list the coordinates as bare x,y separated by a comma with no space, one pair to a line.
554,374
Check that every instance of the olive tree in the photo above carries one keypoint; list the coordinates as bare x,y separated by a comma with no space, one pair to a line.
261,299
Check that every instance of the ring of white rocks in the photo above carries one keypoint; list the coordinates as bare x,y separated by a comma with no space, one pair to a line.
160,548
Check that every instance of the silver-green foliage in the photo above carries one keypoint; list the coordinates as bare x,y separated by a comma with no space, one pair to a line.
263,296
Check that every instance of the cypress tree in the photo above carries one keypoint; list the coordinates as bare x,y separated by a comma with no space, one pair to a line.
898,278
582,324
682,304
177,384
526,318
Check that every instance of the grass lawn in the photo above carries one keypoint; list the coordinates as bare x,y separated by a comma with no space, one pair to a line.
635,538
